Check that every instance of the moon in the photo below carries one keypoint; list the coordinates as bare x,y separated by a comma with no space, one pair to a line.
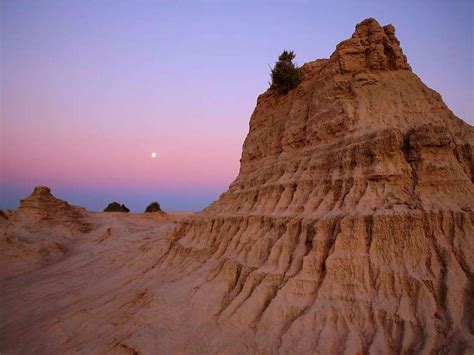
153,155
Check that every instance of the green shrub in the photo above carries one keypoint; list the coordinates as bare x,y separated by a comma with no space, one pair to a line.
116,207
285,75
153,207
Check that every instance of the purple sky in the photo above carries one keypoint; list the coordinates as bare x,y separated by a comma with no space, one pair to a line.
90,88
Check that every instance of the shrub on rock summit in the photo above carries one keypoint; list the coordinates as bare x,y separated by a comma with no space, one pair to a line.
116,207
285,75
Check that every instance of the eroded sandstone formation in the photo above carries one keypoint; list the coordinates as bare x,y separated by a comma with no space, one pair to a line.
349,229
35,234
46,205
41,207
350,225
3,215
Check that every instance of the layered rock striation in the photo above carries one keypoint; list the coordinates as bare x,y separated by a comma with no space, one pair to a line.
350,224
43,207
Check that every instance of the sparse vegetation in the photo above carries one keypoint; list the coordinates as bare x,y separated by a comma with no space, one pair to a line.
153,207
116,207
285,74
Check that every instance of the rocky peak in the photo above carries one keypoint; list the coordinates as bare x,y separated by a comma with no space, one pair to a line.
371,47
351,191
42,191
42,205
41,198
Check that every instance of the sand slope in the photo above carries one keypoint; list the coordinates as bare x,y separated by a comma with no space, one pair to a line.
90,296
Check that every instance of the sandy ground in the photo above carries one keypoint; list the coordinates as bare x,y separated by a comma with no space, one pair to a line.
88,292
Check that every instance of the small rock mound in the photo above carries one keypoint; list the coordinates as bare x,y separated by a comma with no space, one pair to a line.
153,207
42,199
116,207
42,205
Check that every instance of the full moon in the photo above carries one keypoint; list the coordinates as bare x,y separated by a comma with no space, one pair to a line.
153,155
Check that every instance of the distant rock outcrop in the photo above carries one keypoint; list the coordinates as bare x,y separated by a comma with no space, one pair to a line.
349,228
116,207
153,207
42,201
43,206
35,234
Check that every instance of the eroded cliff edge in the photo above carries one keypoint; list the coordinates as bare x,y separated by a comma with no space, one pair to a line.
350,224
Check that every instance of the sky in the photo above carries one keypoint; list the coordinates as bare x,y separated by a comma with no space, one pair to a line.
89,89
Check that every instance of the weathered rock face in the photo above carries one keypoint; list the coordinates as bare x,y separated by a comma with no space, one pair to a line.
3,215
42,206
350,224
371,47
42,199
